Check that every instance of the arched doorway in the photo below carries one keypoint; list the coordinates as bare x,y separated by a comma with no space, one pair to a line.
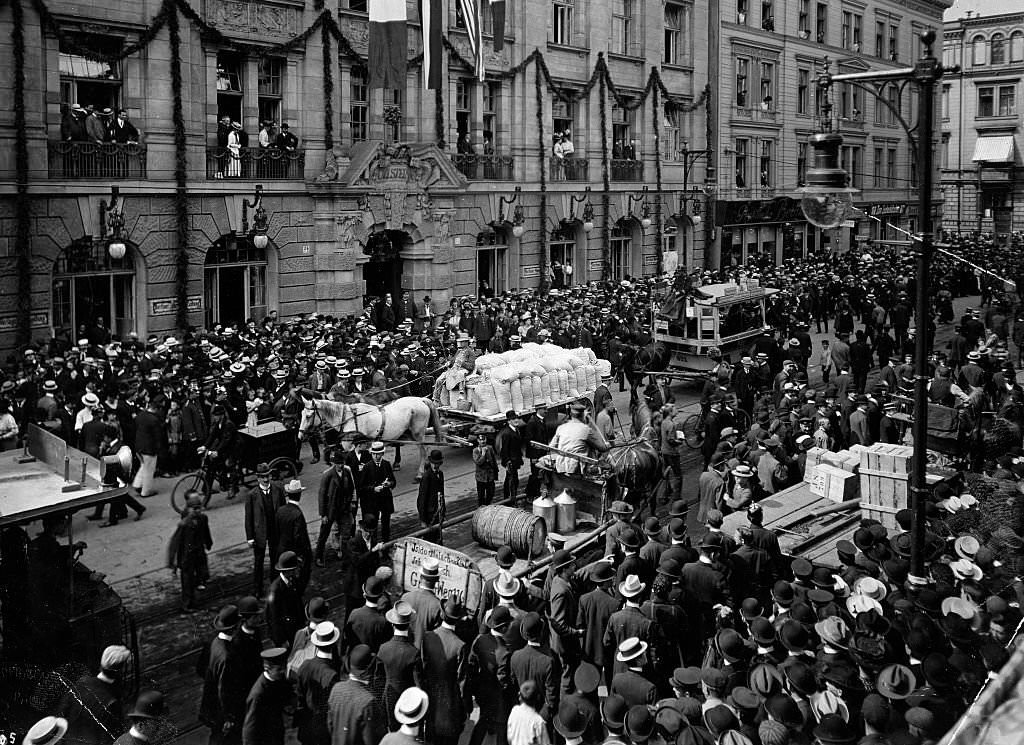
92,289
382,271
235,281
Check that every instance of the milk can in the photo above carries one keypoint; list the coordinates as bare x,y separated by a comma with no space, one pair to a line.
544,508
565,510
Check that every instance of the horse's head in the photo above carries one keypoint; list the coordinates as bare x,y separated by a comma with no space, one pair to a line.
311,418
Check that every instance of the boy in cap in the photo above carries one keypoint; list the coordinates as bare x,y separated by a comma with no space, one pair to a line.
187,550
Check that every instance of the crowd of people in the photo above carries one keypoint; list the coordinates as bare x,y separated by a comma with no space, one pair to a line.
675,635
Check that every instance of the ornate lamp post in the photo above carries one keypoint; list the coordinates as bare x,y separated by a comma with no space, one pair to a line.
112,221
260,221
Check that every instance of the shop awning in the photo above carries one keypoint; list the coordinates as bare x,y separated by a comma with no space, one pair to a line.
998,149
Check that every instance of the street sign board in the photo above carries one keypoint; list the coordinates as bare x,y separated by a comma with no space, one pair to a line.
460,576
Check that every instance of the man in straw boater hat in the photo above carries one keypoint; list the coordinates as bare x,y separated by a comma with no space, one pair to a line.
629,621
47,731
403,666
313,684
631,684
353,712
409,711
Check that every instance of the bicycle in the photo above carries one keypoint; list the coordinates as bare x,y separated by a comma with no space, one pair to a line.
202,480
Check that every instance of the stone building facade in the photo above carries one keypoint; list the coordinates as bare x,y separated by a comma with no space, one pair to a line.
385,209
982,170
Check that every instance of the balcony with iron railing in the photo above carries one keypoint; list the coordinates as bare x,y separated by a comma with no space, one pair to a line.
254,163
96,160
484,167
627,169
569,169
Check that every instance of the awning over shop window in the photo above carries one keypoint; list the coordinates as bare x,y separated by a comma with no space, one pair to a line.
994,149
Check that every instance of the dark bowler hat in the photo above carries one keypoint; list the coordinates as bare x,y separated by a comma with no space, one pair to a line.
317,609
287,561
149,705
570,722
227,618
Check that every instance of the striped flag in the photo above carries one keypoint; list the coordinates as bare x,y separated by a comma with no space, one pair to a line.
432,20
498,23
388,44
471,17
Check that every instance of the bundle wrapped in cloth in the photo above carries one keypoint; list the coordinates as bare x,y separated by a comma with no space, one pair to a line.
536,373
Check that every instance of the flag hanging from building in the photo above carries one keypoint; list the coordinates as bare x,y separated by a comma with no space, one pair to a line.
388,44
431,21
471,17
498,23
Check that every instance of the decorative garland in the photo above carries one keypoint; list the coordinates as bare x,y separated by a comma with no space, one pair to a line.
328,73
180,170
22,211
50,24
655,110
545,254
606,184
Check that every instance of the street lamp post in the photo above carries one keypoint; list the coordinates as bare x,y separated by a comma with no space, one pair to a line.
690,158
825,201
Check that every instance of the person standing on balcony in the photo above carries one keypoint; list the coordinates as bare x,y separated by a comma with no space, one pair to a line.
286,140
223,133
94,126
122,131
235,144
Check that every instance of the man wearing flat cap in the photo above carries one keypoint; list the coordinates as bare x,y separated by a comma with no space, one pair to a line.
93,706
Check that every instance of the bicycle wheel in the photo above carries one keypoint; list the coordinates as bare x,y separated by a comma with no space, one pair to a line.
194,481
743,421
283,469
693,431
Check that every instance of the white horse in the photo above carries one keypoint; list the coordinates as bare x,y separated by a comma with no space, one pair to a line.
388,422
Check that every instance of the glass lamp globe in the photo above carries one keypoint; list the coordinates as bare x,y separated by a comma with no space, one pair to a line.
696,219
588,225
260,240
645,223
117,250
518,230
825,199
824,209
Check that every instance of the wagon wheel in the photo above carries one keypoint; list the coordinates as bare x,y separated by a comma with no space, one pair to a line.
588,401
283,469
194,481
693,430
743,421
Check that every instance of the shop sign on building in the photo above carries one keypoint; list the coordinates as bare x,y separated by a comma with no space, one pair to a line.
36,320
169,306
887,210
530,270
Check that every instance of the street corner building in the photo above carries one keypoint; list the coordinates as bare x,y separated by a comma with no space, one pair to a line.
167,164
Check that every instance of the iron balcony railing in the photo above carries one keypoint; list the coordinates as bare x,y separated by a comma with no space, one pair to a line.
627,170
254,163
568,169
486,167
96,160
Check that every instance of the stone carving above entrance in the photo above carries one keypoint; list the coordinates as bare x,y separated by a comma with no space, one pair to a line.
253,18
389,167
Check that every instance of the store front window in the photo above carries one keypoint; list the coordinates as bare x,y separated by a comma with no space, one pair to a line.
491,263
235,281
91,289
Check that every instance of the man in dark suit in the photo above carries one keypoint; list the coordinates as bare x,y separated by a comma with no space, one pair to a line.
367,624
94,706
859,431
270,696
313,684
595,610
360,558
629,622
261,505
149,435
354,713
336,502
430,500
66,415
220,445
406,310
376,480
444,671
705,585
564,611
487,678
222,705
530,663
122,131
292,532
284,601
509,447
631,683
401,660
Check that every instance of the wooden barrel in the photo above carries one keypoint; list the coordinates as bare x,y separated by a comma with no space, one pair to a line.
496,525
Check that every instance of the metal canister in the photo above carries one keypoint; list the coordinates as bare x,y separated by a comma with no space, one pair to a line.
544,508
565,512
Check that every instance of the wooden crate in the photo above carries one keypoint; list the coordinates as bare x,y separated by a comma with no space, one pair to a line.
885,482
814,457
840,485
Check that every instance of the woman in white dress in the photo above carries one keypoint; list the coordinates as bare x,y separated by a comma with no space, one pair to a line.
234,169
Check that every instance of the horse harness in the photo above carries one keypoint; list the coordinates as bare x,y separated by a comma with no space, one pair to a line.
347,413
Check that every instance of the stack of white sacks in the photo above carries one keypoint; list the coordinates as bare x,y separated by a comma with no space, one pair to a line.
537,373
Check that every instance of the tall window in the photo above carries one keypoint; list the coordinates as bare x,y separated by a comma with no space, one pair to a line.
1017,46
670,135
890,167
463,107
622,26
986,100
622,133
561,21
269,88
563,115
821,22
562,246
803,84
393,132
847,31
894,101
90,83
491,262
235,279
858,32
913,169
801,163
492,105
978,50
673,53
997,49
945,150
229,86
804,20
741,12
741,164
878,174
879,38
767,175
850,158
894,42
742,76
89,284
621,245
359,104
945,101
1007,100
768,15
767,101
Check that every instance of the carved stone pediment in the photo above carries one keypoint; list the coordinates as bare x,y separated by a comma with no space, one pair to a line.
262,19
409,168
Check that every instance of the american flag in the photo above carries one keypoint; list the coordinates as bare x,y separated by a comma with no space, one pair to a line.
471,17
